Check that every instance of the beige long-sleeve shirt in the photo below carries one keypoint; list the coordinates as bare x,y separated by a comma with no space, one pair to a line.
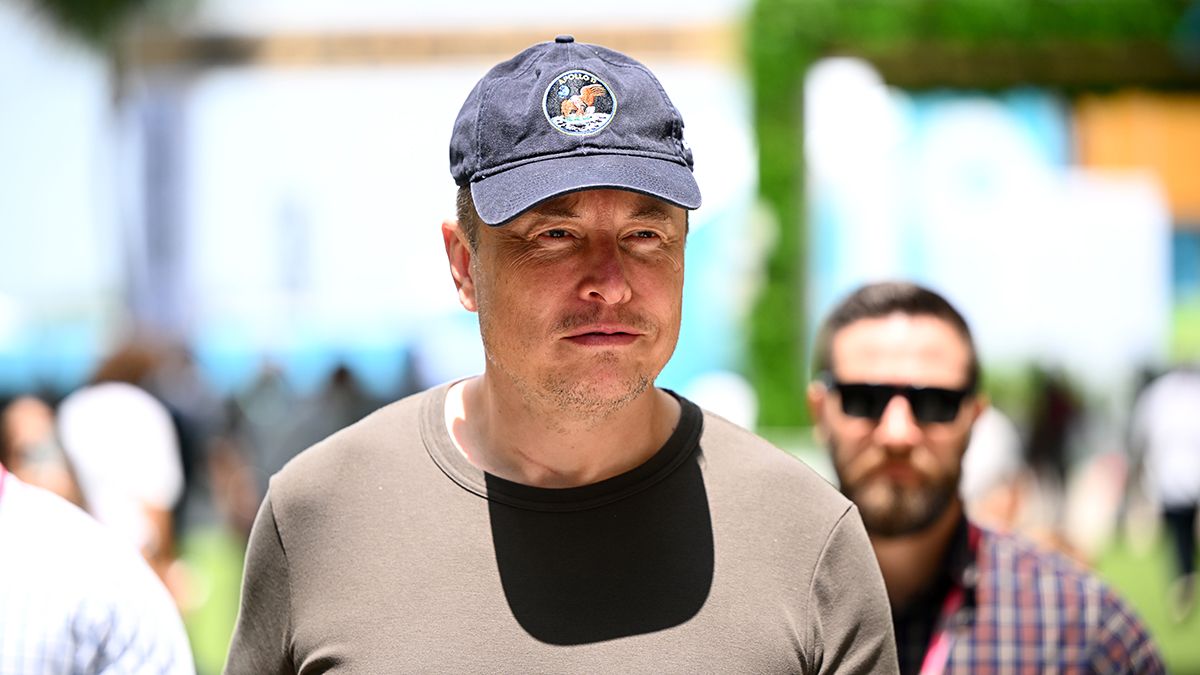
382,550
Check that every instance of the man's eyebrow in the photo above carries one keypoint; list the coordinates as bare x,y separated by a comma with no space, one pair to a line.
563,208
553,209
651,211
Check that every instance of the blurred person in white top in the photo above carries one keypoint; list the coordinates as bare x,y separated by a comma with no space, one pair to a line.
73,599
125,452
1165,433
994,476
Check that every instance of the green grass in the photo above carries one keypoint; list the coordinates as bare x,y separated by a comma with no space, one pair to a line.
214,559
1142,578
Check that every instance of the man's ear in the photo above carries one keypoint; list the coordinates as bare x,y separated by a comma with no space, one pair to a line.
817,393
979,402
459,253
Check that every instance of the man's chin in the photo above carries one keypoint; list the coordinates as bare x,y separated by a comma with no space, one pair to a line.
893,511
597,396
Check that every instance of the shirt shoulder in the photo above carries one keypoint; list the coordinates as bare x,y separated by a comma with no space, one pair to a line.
780,503
1058,601
741,458
1013,556
362,447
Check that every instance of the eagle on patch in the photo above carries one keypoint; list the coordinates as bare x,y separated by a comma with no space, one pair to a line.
583,103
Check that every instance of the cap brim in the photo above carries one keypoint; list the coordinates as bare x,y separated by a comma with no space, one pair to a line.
504,196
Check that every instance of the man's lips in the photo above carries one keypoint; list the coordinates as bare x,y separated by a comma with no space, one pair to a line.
897,471
604,335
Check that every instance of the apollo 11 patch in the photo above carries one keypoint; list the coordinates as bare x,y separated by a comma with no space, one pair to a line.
579,103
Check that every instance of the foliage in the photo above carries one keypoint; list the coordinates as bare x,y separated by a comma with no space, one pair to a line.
96,22
1185,334
785,37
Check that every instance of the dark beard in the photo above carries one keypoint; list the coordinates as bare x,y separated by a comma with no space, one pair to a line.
891,511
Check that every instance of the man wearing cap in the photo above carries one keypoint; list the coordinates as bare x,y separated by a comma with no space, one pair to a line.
559,513
895,399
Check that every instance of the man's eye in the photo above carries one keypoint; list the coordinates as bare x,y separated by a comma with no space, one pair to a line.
556,234
645,234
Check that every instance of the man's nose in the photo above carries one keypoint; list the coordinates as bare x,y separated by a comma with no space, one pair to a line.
897,429
605,278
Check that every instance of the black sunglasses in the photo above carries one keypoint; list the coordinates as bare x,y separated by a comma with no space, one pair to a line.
929,404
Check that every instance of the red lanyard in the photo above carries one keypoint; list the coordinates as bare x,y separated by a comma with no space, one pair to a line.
938,653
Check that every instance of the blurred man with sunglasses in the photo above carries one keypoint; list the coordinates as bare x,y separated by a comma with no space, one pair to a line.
895,398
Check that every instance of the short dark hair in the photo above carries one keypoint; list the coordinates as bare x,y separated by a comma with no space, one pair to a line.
468,217
881,299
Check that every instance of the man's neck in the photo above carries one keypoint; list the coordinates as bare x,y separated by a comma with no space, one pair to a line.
910,564
508,437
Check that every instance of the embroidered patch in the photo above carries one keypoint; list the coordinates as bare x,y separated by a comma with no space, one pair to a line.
579,103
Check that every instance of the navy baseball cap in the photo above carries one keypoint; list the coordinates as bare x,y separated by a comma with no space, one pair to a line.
564,116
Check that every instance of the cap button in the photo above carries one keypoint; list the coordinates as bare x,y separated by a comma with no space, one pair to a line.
564,39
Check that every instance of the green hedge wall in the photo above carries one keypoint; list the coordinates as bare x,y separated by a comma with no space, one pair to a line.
784,37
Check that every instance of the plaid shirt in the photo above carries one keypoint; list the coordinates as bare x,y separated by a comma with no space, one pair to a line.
1025,610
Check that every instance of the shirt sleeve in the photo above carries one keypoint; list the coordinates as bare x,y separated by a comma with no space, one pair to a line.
852,620
1123,645
262,636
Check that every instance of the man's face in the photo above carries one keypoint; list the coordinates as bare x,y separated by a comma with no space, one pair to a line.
902,473
579,298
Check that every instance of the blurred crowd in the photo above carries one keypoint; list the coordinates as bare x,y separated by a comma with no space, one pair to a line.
151,451
1063,479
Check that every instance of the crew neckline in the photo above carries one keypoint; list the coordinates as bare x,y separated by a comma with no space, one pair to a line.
682,443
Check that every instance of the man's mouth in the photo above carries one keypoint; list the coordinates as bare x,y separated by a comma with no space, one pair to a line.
899,472
604,336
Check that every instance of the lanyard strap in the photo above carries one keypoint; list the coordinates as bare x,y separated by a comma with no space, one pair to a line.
939,646
938,653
